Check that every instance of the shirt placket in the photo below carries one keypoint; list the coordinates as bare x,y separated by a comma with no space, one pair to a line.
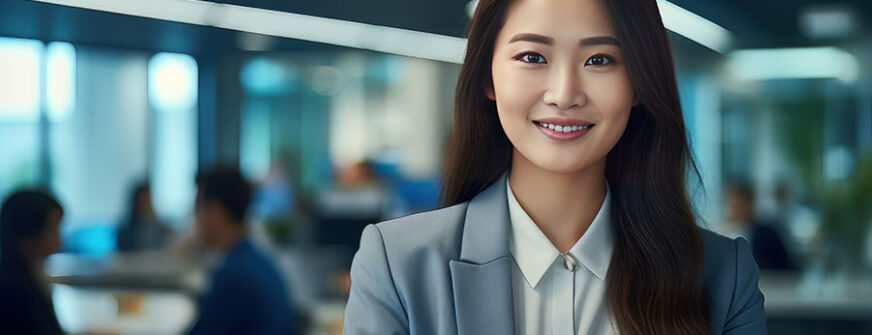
563,295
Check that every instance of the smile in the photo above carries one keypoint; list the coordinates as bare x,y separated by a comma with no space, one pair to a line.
564,129
565,132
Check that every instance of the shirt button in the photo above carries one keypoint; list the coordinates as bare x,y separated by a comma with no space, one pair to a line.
569,262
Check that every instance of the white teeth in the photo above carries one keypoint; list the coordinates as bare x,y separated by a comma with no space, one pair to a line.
563,129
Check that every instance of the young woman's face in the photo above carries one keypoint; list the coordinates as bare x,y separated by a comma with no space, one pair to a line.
560,85
48,241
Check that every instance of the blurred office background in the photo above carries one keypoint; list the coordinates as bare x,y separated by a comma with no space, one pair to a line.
342,124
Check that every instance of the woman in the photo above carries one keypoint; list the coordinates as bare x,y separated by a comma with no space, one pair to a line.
142,230
29,228
567,211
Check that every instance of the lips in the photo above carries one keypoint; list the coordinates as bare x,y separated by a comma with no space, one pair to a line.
563,129
563,122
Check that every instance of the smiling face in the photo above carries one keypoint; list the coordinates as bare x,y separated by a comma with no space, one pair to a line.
560,85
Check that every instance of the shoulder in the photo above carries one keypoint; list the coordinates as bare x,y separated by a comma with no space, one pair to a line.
440,227
413,242
723,255
247,268
14,285
25,308
715,243
731,283
13,290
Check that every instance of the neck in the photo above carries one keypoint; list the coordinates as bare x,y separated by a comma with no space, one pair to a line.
563,205
231,237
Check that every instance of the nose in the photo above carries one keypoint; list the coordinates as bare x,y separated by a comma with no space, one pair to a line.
565,89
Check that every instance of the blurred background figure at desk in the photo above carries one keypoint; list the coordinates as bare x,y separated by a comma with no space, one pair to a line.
247,294
766,243
358,198
29,228
141,229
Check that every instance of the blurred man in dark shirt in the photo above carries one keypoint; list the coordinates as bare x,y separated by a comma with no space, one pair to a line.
247,294
766,244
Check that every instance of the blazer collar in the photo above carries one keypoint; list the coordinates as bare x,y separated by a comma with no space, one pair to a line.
482,278
487,228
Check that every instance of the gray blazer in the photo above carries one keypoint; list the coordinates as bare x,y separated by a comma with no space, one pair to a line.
448,271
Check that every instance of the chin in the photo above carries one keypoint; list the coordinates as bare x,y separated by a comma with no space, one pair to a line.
564,168
557,163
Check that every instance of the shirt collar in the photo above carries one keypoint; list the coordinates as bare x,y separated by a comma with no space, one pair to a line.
534,253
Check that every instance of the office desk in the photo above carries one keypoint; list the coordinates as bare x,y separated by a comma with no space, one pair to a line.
801,304
142,293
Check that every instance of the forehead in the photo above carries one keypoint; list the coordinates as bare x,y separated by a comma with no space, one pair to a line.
570,20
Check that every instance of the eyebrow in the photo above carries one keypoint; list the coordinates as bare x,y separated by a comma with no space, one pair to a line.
541,39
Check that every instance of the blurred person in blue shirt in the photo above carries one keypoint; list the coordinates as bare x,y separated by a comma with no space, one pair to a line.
247,295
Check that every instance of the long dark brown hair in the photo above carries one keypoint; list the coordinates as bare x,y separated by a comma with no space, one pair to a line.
655,277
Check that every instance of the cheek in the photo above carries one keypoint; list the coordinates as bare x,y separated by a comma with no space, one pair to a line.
516,93
613,98
206,223
50,241
53,245
516,87
200,224
57,243
203,221
612,94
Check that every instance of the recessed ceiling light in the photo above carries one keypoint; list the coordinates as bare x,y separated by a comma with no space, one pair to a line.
823,22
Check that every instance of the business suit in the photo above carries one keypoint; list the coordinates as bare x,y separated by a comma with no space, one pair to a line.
448,271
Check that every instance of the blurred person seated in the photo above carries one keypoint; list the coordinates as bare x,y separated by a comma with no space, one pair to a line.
357,199
766,244
29,232
274,196
141,229
247,295
801,219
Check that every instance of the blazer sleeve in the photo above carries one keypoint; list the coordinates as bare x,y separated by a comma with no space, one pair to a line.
374,305
746,315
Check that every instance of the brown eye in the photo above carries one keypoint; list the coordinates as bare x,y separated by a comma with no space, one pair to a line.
599,60
531,57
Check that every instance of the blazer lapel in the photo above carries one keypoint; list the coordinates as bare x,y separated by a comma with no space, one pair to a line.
482,277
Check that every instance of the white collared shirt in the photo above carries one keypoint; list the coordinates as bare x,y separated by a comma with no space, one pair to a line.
549,299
